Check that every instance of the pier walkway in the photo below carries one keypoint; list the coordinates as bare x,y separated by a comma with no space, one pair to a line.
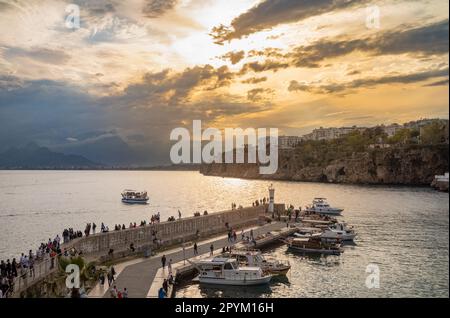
138,275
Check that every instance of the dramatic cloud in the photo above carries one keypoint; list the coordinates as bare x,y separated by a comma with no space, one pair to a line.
254,80
234,57
258,67
44,55
270,13
425,40
172,87
156,8
329,88
259,94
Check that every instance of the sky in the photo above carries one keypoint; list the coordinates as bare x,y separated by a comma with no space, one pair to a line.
113,87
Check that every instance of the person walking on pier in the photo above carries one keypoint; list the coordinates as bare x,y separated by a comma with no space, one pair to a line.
179,214
163,261
169,266
211,250
161,293
195,249
94,226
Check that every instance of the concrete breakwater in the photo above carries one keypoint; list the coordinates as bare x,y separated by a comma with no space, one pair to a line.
170,233
96,247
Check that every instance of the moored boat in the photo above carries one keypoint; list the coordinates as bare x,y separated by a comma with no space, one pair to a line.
314,245
339,231
255,258
226,271
134,197
321,206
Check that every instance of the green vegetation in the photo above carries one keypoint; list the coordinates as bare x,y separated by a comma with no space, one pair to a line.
434,134
321,153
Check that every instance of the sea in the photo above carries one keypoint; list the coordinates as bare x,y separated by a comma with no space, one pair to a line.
402,247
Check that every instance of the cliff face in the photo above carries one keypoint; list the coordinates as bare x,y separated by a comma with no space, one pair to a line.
404,166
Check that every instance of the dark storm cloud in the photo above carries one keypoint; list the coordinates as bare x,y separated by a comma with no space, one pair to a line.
425,40
170,87
59,114
367,82
156,8
270,13
43,110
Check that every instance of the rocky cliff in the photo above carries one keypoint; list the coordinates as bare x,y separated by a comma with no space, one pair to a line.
409,165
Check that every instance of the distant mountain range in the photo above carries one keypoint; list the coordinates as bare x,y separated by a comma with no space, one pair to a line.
33,156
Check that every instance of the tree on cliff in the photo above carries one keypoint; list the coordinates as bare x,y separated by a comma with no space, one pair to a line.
433,134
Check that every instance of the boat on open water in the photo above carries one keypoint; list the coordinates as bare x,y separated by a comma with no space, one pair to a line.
134,197
321,206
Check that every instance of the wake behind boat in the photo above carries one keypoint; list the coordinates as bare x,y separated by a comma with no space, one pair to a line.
134,197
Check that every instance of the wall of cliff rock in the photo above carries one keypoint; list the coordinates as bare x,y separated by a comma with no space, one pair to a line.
406,165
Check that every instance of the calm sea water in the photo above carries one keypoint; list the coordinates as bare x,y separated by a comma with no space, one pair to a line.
402,230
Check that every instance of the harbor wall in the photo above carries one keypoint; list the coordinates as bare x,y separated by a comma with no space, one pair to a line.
169,233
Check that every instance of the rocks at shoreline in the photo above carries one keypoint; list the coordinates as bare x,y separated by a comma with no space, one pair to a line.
410,165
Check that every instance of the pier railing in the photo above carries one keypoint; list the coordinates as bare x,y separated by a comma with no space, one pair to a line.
27,277
168,233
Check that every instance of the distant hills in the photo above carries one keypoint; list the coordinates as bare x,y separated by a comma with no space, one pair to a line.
33,156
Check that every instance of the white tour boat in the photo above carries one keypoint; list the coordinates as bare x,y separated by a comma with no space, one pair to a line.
134,197
339,231
226,271
321,206
255,258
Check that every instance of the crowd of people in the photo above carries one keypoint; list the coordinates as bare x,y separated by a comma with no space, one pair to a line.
163,292
25,266
199,214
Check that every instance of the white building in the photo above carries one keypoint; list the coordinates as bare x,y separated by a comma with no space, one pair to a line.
391,130
331,133
286,142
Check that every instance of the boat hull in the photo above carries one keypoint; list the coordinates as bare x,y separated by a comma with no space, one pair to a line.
335,212
315,251
279,271
230,282
346,237
134,201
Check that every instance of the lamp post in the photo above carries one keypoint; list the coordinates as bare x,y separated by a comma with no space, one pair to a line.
271,199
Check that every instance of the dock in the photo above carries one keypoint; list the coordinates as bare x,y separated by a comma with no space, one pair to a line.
144,278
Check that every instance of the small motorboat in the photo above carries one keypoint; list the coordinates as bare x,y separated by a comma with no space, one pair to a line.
321,206
134,197
255,258
339,231
226,271
314,245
